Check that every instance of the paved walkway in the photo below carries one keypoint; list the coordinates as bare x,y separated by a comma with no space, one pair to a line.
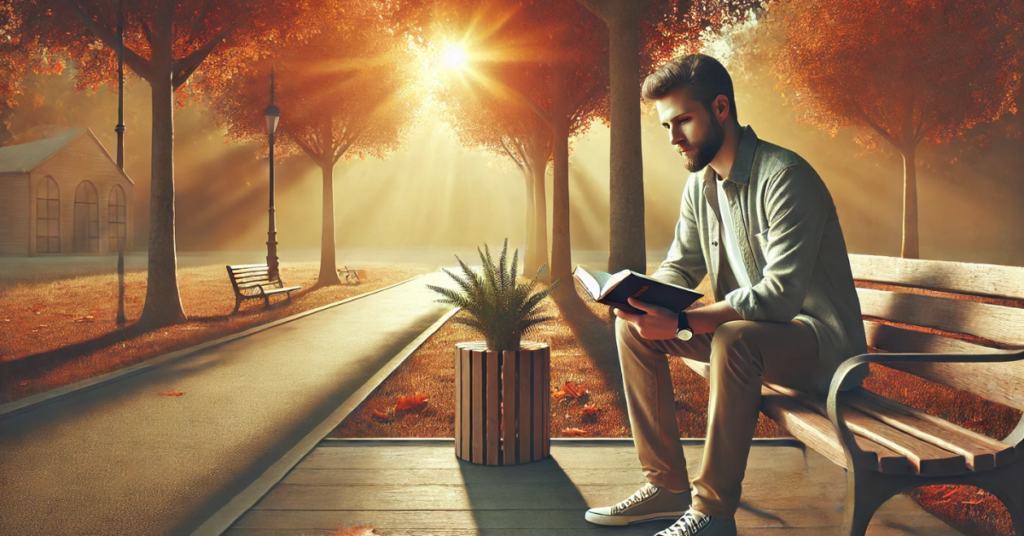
124,460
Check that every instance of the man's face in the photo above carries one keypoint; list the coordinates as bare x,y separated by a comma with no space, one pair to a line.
696,134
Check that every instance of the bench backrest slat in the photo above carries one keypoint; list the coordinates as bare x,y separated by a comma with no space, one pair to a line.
999,382
1004,325
245,276
960,277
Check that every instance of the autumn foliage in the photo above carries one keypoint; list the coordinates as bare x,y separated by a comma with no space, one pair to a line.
902,72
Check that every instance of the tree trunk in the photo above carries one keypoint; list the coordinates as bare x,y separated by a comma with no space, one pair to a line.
910,240
627,247
328,245
561,255
163,303
529,244
540,207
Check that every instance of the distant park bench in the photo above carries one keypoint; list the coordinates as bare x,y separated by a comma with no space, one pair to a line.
252,282
352,276
888,447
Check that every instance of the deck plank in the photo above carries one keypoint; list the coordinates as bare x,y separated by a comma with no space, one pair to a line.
416,490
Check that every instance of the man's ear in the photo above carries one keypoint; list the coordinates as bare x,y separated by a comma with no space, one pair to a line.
721,107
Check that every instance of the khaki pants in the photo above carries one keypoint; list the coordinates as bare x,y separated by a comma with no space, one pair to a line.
742,354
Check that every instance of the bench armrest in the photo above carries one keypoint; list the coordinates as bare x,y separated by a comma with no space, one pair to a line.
853,452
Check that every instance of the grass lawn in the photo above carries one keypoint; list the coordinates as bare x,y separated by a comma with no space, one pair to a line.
583,351
57,331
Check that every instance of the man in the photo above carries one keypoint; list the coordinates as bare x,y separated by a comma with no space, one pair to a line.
758,220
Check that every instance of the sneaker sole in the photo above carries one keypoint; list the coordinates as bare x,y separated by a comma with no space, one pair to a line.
619,520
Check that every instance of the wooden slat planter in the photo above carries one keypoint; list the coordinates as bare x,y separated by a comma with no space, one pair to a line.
502,403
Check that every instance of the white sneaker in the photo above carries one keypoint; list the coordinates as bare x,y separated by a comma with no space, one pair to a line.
694,523
648,503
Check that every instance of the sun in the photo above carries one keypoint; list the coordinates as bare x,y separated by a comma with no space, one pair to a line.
455,58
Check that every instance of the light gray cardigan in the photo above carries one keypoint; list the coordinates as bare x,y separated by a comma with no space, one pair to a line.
791,242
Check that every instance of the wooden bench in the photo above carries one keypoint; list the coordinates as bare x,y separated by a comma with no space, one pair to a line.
253,281
888,447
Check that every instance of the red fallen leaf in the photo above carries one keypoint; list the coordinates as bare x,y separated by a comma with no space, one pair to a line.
974,422
590,410
414,402
574,432
355,531
23,383
573,391
173,393
381,416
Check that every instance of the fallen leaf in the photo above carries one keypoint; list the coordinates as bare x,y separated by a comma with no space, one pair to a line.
86,318
416,402
23,383
569,390
355,531
590,410
381,416
173,393
574,432
974,422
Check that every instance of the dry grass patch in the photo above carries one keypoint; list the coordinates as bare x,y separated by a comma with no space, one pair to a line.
60,332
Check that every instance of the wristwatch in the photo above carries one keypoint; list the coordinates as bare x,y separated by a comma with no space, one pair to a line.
683,331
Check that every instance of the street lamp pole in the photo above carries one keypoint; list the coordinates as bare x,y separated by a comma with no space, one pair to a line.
120,128
273,115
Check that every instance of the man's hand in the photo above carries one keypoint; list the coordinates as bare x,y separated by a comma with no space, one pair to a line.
658,324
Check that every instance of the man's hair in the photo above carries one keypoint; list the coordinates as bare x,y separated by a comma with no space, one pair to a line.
703,76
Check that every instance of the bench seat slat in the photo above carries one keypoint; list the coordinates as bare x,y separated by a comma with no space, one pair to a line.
234,267
925,459
280,290
814,429
999,382
966,278
993,322
981,452
817,432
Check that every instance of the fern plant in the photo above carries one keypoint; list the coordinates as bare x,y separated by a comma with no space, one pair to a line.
501,309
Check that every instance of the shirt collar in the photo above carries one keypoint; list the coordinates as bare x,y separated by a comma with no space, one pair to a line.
742,163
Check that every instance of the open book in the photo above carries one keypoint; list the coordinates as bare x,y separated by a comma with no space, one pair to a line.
614,289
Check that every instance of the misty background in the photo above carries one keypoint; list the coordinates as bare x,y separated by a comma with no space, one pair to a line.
433,193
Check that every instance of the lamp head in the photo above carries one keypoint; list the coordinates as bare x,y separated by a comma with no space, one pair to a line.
273,114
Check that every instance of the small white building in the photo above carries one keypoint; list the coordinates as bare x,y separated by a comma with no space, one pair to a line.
63,195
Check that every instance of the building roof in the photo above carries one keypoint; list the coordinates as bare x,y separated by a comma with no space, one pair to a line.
24,157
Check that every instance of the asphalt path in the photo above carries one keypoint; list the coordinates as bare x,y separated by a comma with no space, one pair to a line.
122,459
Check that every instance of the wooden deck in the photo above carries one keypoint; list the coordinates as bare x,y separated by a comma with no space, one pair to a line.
419,488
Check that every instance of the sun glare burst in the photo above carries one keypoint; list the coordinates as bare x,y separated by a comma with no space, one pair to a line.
455,58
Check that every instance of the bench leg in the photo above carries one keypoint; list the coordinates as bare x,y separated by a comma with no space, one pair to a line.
238,303
866,491
1008,487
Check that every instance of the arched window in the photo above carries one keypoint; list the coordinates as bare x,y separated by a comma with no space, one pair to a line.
48,217
87,219
116,216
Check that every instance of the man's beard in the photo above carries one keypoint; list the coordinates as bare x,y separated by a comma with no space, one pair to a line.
706,149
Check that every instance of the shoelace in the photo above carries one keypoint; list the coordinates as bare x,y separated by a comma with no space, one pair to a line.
687,526
640,495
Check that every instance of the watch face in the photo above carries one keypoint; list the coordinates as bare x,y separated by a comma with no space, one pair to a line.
684,334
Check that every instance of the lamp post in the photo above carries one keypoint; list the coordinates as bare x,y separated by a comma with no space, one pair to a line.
273,115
